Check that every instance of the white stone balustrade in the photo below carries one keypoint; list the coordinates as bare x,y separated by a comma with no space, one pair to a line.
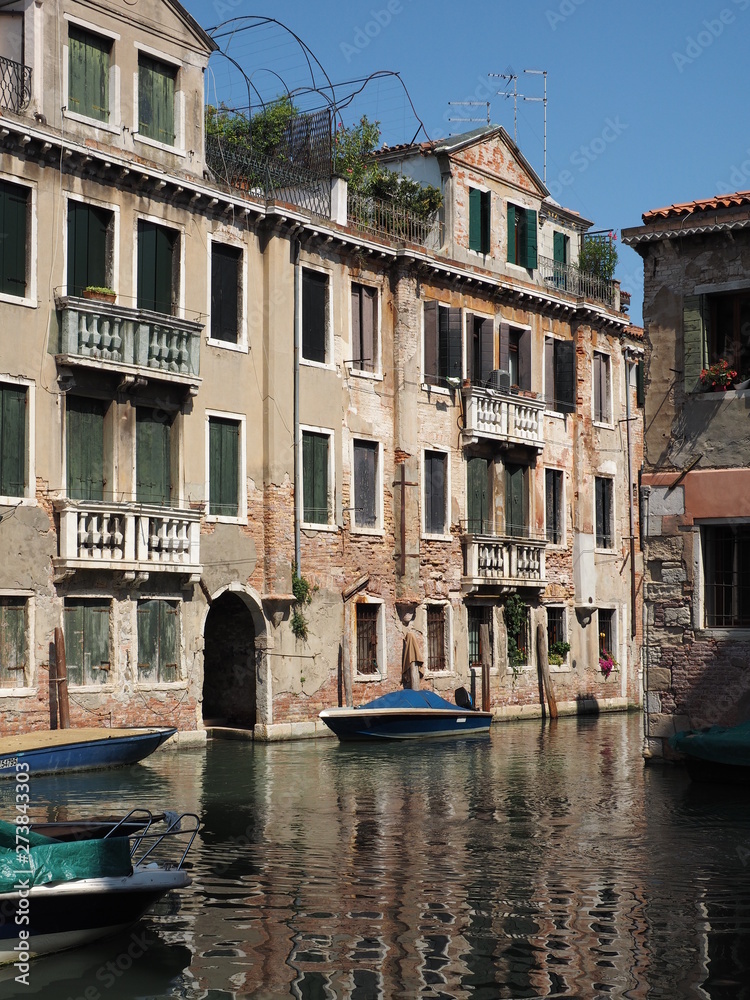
503,416
505,562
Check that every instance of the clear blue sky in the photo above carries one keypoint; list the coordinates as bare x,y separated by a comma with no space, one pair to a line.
647,99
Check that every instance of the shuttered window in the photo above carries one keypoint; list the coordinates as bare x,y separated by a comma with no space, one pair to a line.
84,432
223,467
479,220
13,645
88,73
365,484
559,375
157,262
560,248
89,239
435,492
12,441
315,502
516,501
87,641
442,343
477,496
522,236
152,457
158,641
156,89
225,292
367,638
14,210
482,363
553,495
515,355
604,516
364,328
314,316
602,392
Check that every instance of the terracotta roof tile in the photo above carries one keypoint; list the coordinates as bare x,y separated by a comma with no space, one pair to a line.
734,200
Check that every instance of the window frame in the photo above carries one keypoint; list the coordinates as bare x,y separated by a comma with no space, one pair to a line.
484,613
170,421
561,610
555,366
611,619
29,298
558,504
156,55
447,667
355,363
330,524
161,601
609,510
115,113
702,581
480,221
28,498
480,337
441,341
322,273
177,291
602,384
380,633
107,76
87,600
107,454
241,345
377,527
445,535
27,687
112,248
523,251
240,419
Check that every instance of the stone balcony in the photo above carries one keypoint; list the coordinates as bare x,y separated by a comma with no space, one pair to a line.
504,416
502,562
136,342
134,539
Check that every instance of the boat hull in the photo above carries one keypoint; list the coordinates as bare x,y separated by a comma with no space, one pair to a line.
404,724
719,754
64,750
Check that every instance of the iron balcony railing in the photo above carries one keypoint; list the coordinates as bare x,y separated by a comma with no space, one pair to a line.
15,85
505,561
127,536
121,337
503,415
382,218
568,278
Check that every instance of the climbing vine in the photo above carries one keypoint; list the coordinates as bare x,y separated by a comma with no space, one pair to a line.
516,617
303,591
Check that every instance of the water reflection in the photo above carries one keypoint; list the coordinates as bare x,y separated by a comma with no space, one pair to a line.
545,861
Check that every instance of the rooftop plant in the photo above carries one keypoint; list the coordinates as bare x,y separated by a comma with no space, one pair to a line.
598,255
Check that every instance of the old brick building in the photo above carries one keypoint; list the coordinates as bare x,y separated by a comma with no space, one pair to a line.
423,418
696,482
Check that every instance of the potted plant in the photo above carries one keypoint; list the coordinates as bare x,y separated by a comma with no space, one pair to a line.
607,663
99,292
558,650
718,377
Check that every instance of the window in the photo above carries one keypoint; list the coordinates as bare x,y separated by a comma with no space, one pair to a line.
556,635
88,73
226,292
560,248
87,642
515,355
436,637
12,441
84,433
516,501
223,467
14,211
442,343
726,572
517,627
607,637
158,262
522,241
478,615
604,517
602,393
479,220
716,327
316,508
153,462
554,510
364,328
478,521
13,645
90,238
366,484
435,492
559,375
482,340
368,644
314,316
156,89
158,641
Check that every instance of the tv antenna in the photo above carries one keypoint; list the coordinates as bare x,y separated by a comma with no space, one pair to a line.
513,78
473,104
541,72
514,94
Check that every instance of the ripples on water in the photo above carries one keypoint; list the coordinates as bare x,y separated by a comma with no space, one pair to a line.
545,861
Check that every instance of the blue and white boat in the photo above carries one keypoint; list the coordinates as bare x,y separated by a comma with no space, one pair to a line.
57,751
406,715
716,754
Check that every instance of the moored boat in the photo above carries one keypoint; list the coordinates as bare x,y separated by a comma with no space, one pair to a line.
406,715
716,753
54,751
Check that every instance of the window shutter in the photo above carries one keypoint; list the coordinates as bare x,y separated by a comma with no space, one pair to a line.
487,347
504,347
12,441
529,239
475,219
74,640
477,508
13,214
12,642
524,360
434,471
693,341
365,472
640,388
549,505
565,361
156,86
148,637
315,478
515,501
156,246
558,247
550,389
314,287
223,471
87,246
96,635
486,220
152,458
454,360
511,234
225,269
84,434
169,620
368,328
357,352
430,342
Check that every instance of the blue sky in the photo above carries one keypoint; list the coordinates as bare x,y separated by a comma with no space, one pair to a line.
647,100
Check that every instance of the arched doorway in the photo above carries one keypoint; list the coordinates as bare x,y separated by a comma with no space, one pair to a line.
229,664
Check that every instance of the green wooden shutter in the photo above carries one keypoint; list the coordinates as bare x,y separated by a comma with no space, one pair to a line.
224,457
365,479
454,366
487,349
511,234
559,246
477,501
693,341
315,478
434,492
565,375
13,224
225,289
475,219
486,220
12,642
314,333
87,647
87,246
158,640
156,88
528,239
88,73
504,332
12,441
156,246
152,458
515,501
84,434
73,628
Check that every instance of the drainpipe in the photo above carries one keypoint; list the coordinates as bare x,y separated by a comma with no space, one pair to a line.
297,315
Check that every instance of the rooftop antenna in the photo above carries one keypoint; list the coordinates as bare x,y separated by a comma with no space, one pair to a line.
514,95
475,104
541,72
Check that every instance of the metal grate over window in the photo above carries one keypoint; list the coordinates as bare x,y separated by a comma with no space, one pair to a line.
436,637
367,638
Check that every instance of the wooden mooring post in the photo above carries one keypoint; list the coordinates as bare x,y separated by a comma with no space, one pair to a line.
484,652
542,656
61,680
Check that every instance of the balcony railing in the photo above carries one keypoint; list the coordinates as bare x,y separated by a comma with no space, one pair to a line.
15,85
93,332
383,218
504,416
127,536
503,561
567,278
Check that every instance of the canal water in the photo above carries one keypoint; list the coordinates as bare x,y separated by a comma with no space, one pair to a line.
543,861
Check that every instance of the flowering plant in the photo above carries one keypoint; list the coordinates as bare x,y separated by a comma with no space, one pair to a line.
606,663
719,375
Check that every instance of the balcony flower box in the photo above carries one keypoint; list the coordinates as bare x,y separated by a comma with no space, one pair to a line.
99,294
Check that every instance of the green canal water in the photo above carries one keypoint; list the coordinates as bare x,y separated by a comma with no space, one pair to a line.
543,861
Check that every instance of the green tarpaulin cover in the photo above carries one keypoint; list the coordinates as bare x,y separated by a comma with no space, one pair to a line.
48,860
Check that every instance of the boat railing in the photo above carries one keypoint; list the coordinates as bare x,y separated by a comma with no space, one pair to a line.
178,825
